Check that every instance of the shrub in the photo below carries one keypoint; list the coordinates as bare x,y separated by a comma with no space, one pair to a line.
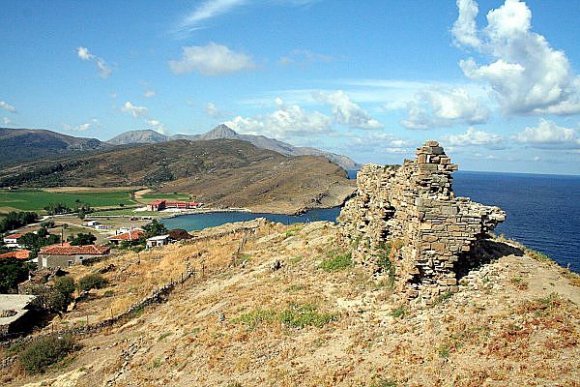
41,353
65,285
300,316
337,261
401,311
92,281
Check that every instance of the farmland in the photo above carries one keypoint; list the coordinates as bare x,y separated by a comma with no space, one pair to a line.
34,200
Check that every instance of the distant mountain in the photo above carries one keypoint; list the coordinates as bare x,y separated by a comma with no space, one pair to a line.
22,145
222,172
224,132
139,137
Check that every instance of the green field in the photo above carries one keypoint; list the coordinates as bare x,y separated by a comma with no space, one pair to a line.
177,196
31,200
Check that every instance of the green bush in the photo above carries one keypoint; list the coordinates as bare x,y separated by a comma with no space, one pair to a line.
92,281
65,285
300,316
337,261
41,353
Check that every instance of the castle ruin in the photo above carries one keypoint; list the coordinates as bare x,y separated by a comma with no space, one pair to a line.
411,211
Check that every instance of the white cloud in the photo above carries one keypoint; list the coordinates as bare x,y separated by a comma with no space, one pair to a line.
474,137
441,107
212,110
285,122
464,29
149,93
549,135
104,70
83,127
156,125
135,111
211,59
346,112
6,121
304,57
208,10
6,106
525,73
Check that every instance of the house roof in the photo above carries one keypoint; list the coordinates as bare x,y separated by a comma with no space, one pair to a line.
14,236
132,235
18,254
67,249
157,202
158,238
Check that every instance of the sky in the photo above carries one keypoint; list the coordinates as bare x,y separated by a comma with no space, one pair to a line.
495,82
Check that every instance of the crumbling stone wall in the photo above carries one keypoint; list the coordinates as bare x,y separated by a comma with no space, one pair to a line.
415,206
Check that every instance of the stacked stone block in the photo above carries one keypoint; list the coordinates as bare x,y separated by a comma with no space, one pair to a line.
415,204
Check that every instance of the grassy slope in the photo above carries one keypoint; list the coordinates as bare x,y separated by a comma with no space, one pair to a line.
513,322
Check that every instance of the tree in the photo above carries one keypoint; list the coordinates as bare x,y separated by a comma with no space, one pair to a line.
12,272
16,219
82,239
57,208
34,242
42,232
154,229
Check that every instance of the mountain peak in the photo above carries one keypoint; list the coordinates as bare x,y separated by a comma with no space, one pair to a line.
146,136
220,131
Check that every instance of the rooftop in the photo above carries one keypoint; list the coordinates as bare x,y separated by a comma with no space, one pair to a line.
18,254
67,249
127,236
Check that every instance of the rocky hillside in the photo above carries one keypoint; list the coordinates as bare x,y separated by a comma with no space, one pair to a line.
23,145
224,132
221,172
282,306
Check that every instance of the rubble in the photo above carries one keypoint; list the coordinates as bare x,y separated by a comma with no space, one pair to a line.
411,213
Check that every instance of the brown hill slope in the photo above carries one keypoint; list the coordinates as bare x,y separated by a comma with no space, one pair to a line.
221,172
514,322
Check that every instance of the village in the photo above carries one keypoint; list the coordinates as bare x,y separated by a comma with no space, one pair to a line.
44,250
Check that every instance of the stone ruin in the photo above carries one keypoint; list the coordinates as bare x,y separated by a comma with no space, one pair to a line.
412,212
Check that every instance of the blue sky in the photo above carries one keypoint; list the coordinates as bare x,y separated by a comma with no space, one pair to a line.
496,82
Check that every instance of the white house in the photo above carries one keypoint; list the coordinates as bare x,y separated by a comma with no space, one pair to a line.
160,240
12,240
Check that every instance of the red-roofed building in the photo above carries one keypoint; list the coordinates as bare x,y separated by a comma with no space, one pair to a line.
160,204
66,255
18,254
12,240
130,236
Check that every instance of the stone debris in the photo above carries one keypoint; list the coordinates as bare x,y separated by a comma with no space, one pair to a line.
412,209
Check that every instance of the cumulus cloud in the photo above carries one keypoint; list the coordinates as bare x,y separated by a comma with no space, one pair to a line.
211,59
346,112
149,93
212,110
549,135
104,70
525,73
135,111
443,107
474,137
378,141
82,127
6,121
156,125
285,122
6,106
304,57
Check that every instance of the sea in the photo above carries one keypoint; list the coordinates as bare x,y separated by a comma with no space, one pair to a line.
543,211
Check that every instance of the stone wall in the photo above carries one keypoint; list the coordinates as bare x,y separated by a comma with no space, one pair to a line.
413,208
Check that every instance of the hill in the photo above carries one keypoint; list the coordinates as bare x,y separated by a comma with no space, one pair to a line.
225,132
23,145
279,314
220,172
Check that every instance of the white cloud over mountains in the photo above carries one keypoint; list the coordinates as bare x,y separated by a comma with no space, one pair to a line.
211,59
346,112
135,111
6,106
444,107
525,73
285,122
103,68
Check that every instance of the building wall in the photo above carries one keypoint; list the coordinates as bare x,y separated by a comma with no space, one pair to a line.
63,260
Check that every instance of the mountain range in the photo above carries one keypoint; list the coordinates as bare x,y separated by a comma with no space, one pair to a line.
224,132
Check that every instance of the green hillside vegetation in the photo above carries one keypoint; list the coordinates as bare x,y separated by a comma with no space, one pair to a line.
36,199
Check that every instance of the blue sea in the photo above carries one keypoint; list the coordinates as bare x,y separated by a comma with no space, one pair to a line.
543,211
